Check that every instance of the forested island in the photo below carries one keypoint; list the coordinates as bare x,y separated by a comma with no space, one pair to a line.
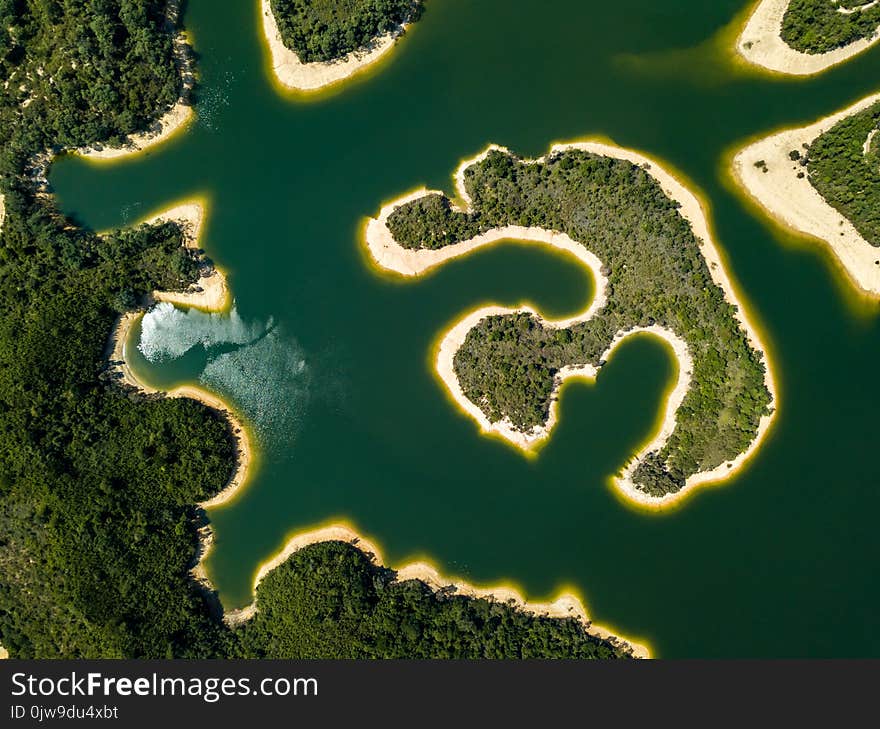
317,43
99,528
808,36
823,180
654,274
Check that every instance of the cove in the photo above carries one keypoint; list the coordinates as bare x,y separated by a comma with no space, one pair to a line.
776,561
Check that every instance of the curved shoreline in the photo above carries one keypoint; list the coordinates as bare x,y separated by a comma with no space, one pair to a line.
760,43
564,606
190,216
795,204
176,119
213,297
388,254
295,75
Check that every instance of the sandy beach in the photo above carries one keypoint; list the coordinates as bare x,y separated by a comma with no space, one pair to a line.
171,122
564,606
761,43
796,204
387,254
214,296
295,75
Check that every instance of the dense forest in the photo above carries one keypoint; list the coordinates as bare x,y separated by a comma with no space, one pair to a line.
847,177
330,601
98,484
819,26
325,30
656,275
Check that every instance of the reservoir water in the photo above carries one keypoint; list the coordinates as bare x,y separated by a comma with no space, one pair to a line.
332,361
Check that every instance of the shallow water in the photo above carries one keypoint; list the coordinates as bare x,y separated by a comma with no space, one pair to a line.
331,360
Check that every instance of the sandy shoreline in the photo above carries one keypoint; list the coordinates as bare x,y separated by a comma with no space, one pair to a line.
210,292
796,204
295,75
761,43
565,606
171,122
213,297
388,255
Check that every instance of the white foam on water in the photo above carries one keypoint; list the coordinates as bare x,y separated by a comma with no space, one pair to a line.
168,332
269,382
261,371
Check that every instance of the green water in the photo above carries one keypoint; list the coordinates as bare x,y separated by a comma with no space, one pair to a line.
779,561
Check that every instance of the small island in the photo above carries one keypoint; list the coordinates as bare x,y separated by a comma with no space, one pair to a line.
647,241
805,37
823,180
315,44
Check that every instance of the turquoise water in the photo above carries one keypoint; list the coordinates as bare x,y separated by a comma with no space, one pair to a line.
332,361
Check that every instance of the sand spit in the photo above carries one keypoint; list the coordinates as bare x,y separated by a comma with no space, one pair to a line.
389,255
796,204
214,296
565,606
761,43
298,76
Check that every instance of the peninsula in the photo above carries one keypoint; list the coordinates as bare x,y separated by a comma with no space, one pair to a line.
646,239
823,180
805,37
502,610
313,45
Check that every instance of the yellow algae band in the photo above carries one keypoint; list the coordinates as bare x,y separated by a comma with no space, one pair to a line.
761,44
294,75
764,170
388,254
211,294
564,606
